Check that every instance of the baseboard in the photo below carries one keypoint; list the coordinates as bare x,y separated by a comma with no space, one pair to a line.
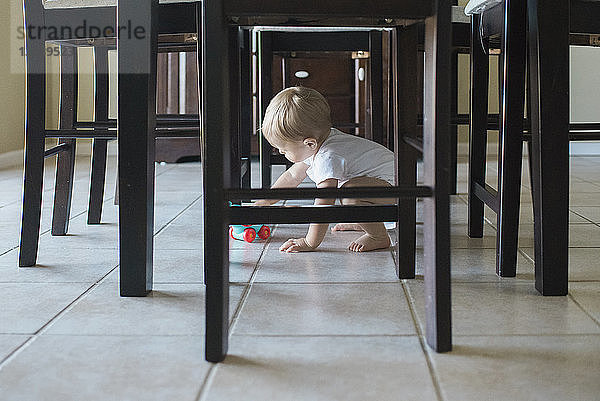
84,148
11,159
584,148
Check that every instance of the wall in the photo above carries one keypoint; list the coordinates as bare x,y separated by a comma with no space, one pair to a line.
585,93
11,87
12,90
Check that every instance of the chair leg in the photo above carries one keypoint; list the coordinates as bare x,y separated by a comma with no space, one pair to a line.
510,140
34,166
34,139
529,141
63,190
549,86
530,162
65,162
265,94
99,151
116,201
100,145
477,128
376,87
246,107
137,124
404,62
235,151
453,171
436,230
216,129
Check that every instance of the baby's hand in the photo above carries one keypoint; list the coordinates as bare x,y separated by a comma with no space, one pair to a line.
296,245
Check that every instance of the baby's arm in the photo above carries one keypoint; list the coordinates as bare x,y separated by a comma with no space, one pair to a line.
291,178
316,232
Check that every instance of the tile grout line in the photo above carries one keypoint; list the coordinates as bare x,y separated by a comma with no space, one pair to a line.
49,323
248,286
507,335
82,178
206,384
9,250
317,335
583,309
176,216
424,348
404,335
43,192
580,215
326,282
45,232
106,200
526,256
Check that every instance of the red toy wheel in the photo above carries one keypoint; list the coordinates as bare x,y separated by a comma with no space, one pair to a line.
264,232
231,232
249,235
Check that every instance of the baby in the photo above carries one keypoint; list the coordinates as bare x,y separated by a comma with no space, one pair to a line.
298,123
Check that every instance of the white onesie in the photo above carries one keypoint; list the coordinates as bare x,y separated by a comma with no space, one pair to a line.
344,156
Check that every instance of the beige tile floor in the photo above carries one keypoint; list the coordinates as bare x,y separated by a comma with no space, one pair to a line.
328,325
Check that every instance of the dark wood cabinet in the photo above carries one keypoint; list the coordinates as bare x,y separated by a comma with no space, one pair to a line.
341,76
174,98
333,75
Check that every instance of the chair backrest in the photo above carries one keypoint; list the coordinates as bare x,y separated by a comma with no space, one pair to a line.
382,9
95,3
479,6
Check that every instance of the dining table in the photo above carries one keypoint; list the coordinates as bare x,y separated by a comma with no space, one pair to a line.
548,20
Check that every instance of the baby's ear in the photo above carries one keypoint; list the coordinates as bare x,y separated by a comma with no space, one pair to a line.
311,142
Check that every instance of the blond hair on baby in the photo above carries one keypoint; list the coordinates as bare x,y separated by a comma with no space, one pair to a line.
297,113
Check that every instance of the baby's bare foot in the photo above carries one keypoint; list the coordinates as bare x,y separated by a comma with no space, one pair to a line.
347,227
367,243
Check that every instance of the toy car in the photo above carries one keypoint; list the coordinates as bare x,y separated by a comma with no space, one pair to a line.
249,233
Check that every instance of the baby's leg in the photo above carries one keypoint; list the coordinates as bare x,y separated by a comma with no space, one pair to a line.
375,236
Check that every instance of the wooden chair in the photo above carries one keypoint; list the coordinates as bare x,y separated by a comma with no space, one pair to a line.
220,21
505,25
60,19
220,119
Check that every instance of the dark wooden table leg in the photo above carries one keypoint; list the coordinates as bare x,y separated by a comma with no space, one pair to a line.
436,127
453,170
216,129
65,160
137,122
99,146
549,85
404,62
34,138
477,127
